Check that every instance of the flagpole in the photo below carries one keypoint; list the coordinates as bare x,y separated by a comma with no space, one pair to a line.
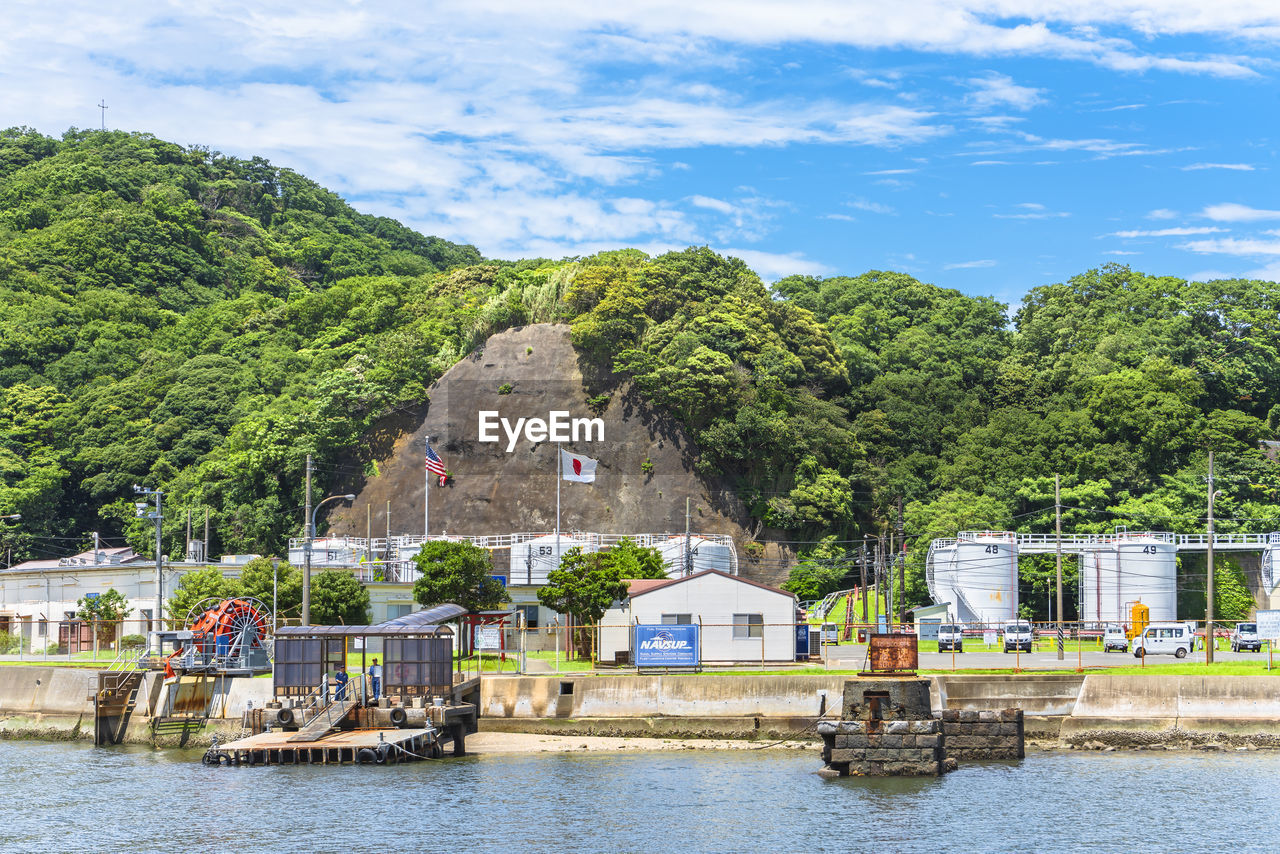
559,477
426,491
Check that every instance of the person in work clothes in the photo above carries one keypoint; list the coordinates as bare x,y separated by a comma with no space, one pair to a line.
340,684
375,678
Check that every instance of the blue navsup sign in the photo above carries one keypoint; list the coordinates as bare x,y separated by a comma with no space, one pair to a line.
666,646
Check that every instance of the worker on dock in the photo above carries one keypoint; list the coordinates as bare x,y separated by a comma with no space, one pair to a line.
340,683
375,678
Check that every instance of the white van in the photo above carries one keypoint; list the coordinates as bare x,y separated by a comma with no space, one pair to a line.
1164,639
951,636
1018,635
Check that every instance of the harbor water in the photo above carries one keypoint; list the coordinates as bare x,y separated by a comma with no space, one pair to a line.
74,797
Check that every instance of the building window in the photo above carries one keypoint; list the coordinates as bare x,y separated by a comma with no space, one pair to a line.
748,625
145,615
530,616
677,619
395,612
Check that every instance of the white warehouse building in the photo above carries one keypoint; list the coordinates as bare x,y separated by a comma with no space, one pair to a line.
741,621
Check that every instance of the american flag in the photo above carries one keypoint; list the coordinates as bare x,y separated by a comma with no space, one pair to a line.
435,465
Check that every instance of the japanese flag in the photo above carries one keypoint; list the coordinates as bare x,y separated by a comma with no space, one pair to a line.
576,468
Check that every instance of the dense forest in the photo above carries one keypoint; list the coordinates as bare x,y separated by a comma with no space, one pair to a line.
199,323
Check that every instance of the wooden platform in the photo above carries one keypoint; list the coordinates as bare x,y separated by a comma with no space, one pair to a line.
389,746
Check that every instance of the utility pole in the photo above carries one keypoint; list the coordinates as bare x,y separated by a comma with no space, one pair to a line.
862,568
889,600
1057,531
1208,597
902,567
205,548
688,556
188,533
102,105
306,551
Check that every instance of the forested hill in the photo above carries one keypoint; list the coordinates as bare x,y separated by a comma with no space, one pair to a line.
200,323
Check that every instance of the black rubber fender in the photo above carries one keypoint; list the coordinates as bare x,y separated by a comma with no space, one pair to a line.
284,717
366,756
399,717
210,758
383,751
436,751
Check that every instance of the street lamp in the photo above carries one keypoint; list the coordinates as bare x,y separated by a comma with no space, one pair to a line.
144,512
306,555
275,594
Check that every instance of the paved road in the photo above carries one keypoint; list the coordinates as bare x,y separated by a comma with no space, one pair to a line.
977,657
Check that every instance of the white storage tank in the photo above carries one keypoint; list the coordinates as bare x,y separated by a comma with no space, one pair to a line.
1271,564
986,577
533,559
1140,566
328,551
702,554
940,574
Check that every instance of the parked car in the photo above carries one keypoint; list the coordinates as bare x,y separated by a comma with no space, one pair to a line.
1245,637
1113,637
950,636
1163,639
1018,635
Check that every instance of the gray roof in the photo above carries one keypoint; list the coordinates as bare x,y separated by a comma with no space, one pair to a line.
418,623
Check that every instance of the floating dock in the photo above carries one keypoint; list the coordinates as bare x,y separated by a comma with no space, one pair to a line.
350,747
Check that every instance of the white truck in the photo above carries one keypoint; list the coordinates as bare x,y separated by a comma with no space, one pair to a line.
951,636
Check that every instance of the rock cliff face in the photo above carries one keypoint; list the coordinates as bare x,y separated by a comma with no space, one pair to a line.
644,475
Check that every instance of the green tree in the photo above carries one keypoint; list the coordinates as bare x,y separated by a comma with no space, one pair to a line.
632,561
457,572
1232,600
256,580
195,587
583,586
105,611
337,598
820,571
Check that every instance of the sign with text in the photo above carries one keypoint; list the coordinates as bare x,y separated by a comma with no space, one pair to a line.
1269,625
488,637
667,646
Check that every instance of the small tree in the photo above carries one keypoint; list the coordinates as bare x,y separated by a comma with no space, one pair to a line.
632,561
584,587
256,580
105,611
337,598
197,586
457,572
1232,600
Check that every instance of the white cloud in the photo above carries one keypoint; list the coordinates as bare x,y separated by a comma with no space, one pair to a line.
970,265
840,217
1120,252
1033,215
891,172
1235,167
1233,246
1162,213
870,207
773,265
1167,232
712,204
1232,212
1000,90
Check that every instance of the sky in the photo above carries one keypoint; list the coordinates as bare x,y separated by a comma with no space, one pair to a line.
986,145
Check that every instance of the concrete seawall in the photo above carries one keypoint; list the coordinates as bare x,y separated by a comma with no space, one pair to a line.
53,703
1097,710
1175,711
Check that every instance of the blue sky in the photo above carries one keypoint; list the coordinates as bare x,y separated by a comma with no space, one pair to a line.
986,145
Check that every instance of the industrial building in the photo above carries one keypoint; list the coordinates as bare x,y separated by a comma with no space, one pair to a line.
740,621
